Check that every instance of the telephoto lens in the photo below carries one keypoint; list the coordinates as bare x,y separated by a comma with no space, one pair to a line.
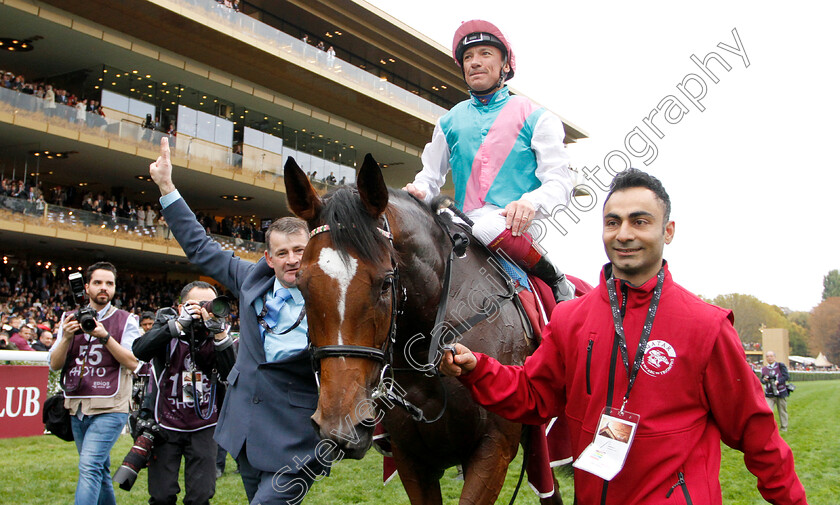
136,459
219,306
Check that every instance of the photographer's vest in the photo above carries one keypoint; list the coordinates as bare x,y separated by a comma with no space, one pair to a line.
95,373
775,369
174,404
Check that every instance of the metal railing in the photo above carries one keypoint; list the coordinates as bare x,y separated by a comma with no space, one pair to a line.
25,356
130,133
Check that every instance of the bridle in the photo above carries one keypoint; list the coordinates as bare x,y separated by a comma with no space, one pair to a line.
384,389
383,355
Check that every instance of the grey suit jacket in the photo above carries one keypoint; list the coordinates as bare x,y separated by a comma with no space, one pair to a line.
268,404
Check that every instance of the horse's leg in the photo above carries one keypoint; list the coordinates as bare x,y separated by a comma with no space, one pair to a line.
484,473
421,483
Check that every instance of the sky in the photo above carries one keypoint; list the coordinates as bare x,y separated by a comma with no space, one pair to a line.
753,177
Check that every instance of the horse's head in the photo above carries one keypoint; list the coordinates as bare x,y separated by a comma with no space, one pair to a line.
347,279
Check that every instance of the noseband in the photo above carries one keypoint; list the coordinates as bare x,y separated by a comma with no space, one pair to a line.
383,355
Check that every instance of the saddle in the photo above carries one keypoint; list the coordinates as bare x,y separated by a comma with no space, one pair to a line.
548,445
534,298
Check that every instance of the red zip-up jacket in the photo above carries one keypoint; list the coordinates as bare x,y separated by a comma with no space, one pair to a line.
693,390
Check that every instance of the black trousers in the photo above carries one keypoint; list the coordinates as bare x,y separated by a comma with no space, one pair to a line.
199,452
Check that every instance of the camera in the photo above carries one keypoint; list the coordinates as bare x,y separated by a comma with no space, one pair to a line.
219,307
86,316
145,430
770,386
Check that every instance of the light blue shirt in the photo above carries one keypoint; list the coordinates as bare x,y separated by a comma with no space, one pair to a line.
278,346
169,198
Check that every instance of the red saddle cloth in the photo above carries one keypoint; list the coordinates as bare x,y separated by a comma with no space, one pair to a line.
549,445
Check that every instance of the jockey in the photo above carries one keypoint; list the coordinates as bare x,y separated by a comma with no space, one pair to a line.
507,156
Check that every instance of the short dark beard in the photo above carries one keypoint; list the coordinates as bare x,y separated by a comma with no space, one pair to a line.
95,304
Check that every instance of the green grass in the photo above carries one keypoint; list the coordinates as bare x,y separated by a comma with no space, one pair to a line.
40,470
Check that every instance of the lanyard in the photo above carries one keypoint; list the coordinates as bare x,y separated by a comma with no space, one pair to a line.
619,330
264,324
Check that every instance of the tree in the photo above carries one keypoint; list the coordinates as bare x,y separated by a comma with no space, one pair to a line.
801,318
799,333
831,284
825,328
750,314
798,340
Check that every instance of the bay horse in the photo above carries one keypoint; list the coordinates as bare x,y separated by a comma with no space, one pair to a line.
372,277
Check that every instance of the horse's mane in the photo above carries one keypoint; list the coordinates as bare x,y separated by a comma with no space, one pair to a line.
351,227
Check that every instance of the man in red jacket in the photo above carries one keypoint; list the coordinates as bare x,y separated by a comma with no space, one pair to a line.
661,415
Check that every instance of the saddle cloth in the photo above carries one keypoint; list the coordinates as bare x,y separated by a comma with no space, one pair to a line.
549,445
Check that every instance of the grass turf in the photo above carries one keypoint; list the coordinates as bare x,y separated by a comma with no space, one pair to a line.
38,470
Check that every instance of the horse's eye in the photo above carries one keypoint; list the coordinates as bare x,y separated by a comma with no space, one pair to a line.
386,284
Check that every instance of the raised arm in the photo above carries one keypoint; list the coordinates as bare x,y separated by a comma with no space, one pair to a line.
201,250
161,169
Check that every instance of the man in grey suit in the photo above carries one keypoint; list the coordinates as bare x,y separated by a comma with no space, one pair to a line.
264,422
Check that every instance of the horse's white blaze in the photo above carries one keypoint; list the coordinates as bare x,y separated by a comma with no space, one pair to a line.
343,272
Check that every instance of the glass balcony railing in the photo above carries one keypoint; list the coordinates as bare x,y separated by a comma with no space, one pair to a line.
282,44
131,133
121,131
65,218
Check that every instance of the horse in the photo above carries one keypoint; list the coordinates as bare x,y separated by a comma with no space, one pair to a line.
373,278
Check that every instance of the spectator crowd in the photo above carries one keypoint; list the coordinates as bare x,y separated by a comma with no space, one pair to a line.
33,298
140,214
230,4
51,95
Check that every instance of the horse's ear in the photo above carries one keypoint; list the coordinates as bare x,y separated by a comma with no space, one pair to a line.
372,188
302,198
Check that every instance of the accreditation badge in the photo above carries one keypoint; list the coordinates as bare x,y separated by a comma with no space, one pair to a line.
606,454
187,389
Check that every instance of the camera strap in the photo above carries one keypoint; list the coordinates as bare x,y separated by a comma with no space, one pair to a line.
196,395
646,330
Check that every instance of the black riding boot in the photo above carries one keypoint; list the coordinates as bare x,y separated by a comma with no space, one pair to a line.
562,288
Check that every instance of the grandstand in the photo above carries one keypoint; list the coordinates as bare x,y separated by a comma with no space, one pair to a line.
236,90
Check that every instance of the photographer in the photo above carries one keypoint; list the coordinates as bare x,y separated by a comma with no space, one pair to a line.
189,350
775,377
97,377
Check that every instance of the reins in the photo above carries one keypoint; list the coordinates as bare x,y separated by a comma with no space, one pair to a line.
385,354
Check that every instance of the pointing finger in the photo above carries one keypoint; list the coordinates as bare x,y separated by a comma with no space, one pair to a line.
164,149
